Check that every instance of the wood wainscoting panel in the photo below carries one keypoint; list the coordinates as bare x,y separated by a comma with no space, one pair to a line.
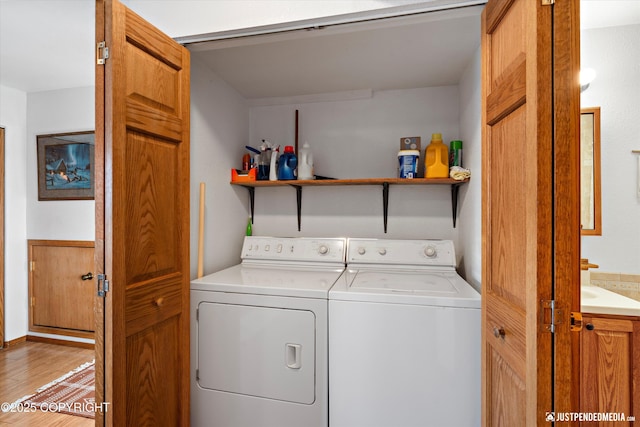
60,302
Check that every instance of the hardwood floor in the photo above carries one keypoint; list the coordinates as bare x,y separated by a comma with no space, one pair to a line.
27,366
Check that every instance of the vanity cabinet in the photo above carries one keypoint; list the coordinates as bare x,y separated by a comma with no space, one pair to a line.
610,366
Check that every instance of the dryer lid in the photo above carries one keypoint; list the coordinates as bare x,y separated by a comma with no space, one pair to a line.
275,280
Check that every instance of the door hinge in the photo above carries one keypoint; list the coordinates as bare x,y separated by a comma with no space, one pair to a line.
33,301
576,321
548,2
32,266
102,53
551,315
197,314
197,374
103,285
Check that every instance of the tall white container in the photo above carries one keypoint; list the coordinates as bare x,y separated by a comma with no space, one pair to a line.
305,162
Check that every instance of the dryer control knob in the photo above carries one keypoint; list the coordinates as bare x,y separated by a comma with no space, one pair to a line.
430,252
323,250
382,251
361,250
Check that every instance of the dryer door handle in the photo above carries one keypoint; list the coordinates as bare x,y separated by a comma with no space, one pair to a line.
292,355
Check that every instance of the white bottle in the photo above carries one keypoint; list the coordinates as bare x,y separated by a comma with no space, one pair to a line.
273,169
305,162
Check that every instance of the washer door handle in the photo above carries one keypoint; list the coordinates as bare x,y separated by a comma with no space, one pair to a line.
292,355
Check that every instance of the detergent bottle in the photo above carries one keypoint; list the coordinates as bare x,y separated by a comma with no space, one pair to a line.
287,164
436,161
305,162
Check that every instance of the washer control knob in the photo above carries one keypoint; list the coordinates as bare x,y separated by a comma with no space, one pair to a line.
323,250
267,248
362,250
430,252
279,249
382,251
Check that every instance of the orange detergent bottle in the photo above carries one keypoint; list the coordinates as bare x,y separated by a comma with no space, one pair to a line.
436,157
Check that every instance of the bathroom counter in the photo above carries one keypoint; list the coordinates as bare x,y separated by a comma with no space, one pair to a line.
601,301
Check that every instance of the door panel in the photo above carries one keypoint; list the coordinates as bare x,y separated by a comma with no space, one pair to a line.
531,225
517,232
144,221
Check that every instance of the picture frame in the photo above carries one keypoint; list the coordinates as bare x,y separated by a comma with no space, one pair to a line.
65,166
590,186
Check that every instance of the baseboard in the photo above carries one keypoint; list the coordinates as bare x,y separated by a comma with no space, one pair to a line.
15,341
45,340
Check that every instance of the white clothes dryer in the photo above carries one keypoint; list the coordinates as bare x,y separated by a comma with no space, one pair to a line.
404,338
259,335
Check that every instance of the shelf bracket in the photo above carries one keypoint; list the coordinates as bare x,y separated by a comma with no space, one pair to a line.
454,202
299,203
252,198
385,204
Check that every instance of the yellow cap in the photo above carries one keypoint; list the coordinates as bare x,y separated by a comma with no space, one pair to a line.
436,137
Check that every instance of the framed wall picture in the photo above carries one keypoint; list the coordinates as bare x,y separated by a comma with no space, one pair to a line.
65,166
590,188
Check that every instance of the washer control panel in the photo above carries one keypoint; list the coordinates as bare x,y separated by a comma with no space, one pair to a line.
297,249
401,252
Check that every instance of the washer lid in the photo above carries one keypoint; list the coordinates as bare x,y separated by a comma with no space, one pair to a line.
276,280
418,287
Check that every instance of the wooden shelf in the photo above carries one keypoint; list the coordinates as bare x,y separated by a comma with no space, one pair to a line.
384,182
358,181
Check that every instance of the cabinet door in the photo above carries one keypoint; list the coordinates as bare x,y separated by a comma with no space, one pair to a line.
60,299
610,359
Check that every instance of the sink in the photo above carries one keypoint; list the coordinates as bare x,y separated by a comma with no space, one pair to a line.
602,301
588,294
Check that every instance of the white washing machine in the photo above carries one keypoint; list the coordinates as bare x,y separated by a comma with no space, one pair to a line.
259,335
404,338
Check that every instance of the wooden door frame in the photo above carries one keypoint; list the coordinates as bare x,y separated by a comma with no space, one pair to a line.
2,237
566,193
99,191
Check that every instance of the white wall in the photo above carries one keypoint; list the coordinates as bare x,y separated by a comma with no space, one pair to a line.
13,117
219,132
59,111
359,139
24,116
470,197
414,211
614,54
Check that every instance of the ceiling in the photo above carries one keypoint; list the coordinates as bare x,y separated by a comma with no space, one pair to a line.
49,44
424,50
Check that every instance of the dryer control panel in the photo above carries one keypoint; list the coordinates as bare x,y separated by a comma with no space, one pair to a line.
433,253
294,249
